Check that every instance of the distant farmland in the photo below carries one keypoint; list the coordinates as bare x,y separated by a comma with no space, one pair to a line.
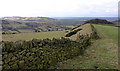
30,36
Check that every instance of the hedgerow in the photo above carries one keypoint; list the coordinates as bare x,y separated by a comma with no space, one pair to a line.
41,54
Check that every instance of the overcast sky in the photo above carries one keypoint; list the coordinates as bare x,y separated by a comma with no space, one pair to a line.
59,8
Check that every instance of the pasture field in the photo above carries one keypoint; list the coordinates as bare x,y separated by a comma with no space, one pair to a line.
30,36
102,54
108,32
26,30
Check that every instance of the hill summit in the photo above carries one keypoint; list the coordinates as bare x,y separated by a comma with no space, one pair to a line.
98,21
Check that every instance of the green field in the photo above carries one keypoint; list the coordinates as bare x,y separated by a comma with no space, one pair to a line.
108,32
103,53
30,36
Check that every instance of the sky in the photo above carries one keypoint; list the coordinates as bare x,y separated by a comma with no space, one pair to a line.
59,8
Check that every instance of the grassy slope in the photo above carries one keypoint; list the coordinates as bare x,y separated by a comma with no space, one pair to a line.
102,53
86,29
26,30
30,36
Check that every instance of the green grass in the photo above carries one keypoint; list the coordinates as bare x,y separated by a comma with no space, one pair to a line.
26,30
70,26
110,32
103,53
30,36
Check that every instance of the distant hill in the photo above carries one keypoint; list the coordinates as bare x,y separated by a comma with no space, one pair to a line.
41,19
87,18
73,22
27,23
59,20
81,20
16,22
21,26
98,21
14,25
44,24
70,21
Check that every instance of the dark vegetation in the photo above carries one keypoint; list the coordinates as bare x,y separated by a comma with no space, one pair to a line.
5,22
41,54
72,33
98,21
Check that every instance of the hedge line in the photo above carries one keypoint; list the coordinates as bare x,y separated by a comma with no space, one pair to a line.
42,54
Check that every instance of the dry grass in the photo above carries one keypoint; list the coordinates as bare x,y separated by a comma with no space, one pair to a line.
86,29
30,36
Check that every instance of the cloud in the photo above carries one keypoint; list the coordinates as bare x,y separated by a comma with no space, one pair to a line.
59,8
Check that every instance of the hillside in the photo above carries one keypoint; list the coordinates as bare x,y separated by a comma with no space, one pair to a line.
41,19
87,46
102,54
98,21
85,29
14,27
